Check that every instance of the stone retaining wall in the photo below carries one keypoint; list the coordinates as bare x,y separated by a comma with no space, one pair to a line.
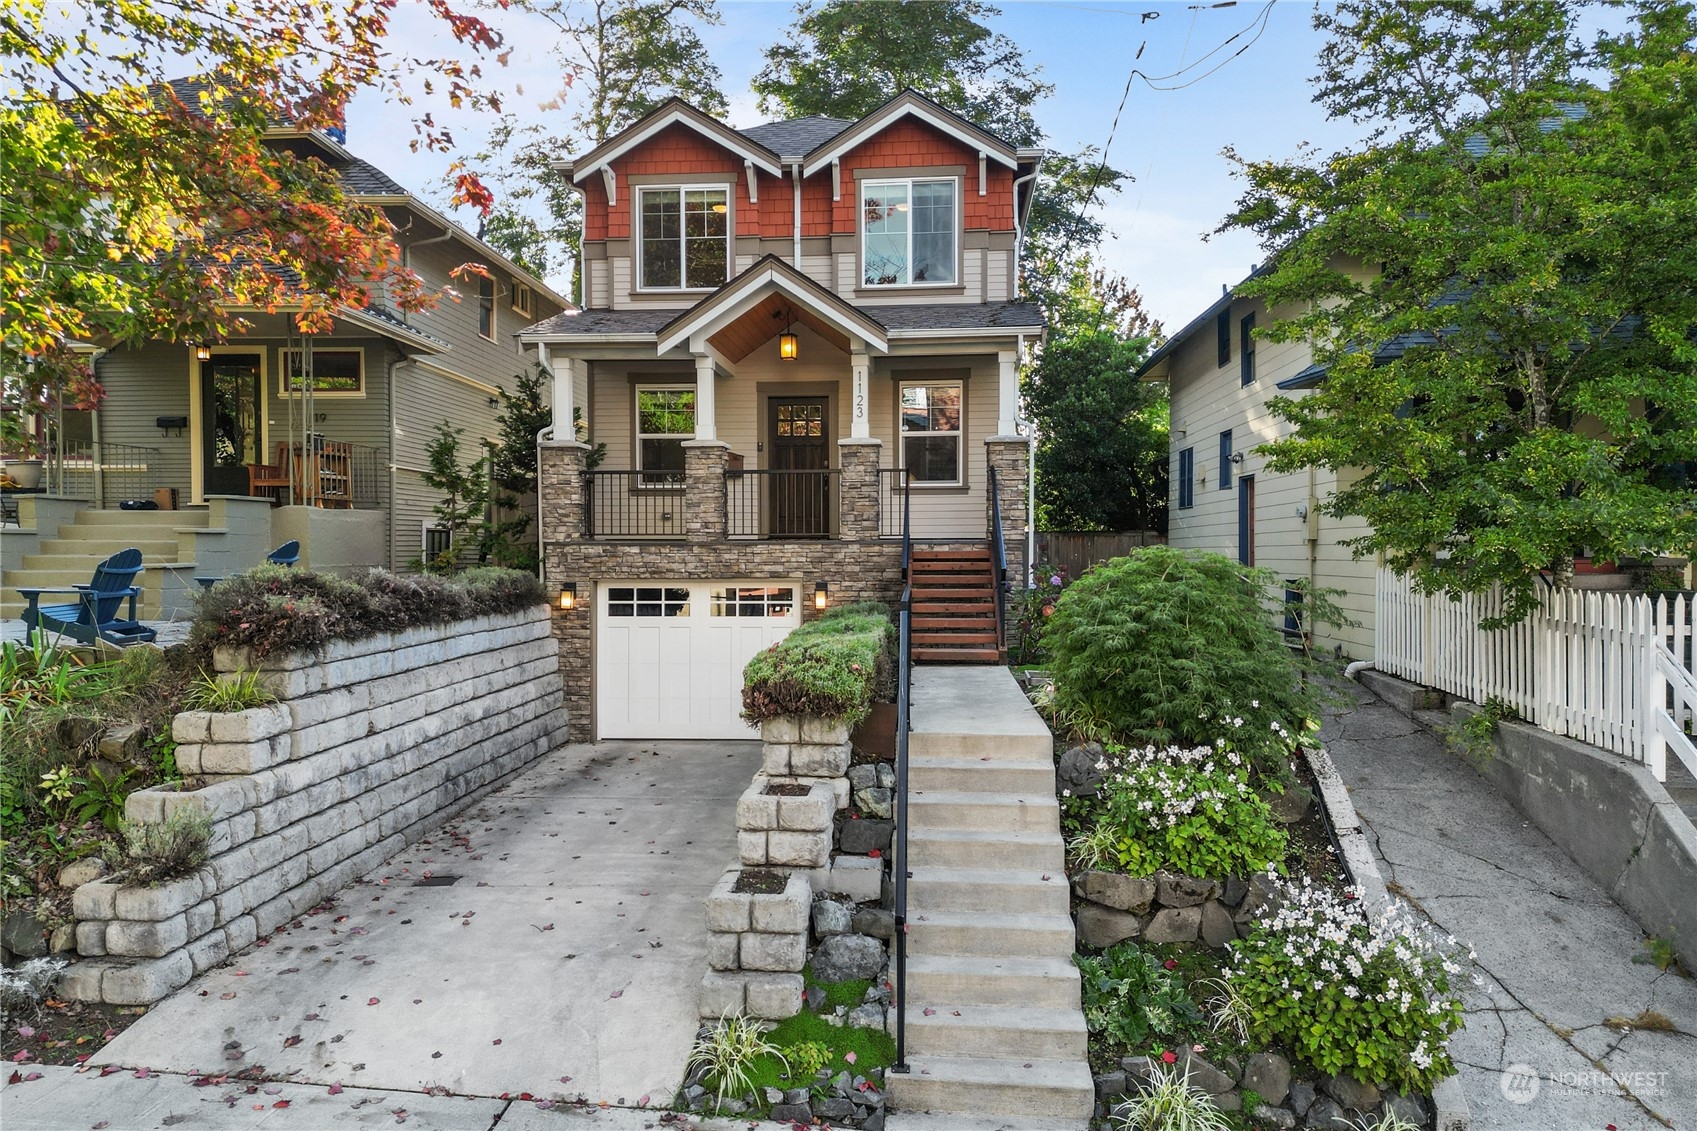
372,743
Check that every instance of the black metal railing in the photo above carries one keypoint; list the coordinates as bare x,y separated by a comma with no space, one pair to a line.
780,504
892,501
103,472
999,560
633,504
904,683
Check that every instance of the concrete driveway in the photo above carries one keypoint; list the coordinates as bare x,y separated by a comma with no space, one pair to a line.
549,940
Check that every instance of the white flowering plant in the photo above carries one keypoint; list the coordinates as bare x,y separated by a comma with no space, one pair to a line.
1186,809
1372,996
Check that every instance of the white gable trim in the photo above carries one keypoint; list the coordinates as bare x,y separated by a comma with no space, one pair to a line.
725,307
678,115
870,127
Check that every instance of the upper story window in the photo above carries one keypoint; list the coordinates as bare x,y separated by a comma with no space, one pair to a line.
665,418
486,307
1246,349
1186,478
683,238
522,298
1223,334
335,372
931,431
909,232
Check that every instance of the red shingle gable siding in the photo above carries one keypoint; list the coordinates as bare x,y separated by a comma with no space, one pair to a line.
680,152
909,143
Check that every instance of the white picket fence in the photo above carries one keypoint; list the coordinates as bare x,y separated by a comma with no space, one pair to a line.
1615,670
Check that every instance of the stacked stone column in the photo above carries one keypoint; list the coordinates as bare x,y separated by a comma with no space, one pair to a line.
858,504
705,462
1010,457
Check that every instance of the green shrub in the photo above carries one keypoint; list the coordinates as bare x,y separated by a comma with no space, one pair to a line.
1376,998
277,609
1187,810
831,667
210,693
1165,646
152,853
1131,997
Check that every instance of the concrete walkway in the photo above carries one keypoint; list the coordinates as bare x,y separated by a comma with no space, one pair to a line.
1555,953
550,940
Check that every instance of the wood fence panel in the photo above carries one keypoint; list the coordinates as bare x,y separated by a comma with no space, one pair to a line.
1077,551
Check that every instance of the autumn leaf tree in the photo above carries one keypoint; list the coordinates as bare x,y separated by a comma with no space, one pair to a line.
619,60
1518,384
139,203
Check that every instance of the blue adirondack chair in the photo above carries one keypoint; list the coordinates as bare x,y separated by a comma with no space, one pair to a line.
95,613
288,554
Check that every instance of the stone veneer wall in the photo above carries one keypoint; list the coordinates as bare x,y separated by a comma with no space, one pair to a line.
372,742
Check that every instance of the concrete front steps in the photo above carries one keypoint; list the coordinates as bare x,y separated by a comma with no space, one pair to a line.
995,1034
69,557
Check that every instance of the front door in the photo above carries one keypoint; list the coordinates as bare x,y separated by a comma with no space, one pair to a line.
231,401
799,495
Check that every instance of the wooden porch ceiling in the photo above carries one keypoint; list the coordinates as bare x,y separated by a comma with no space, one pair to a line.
764,321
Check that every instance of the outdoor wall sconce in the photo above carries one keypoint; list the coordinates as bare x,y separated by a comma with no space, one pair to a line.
568,595
203,352
821,595
1237,457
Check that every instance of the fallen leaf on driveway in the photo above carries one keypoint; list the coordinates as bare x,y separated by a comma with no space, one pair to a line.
336,1088
374,1001
549,927
227,995
615,993
281,1103
496,1041
241,973
291,1042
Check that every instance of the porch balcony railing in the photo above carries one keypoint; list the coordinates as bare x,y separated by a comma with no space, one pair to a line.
321,472
105,473
781,503
633,504
892,497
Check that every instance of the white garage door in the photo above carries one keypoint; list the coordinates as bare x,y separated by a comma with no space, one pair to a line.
669,654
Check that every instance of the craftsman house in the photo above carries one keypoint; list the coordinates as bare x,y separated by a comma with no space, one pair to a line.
797,352
248,443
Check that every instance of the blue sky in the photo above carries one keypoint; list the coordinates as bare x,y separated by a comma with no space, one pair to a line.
1259,102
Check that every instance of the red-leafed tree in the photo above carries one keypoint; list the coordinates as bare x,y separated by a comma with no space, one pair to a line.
136,204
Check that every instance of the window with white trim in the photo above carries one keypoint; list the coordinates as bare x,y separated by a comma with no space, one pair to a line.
931,431
684,237
486,307
753,601
521,298
647,601
334,372
665,418
909,232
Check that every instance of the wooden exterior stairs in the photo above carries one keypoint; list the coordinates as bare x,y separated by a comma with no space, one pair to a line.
954,607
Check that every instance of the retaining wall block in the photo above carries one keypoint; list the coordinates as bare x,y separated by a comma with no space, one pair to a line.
81,981
752,848
191,727
97,900
773,997
775,758
722,994
726,910
784,729
208,951
823,732
143,981
756,951
820,761
800,850
808,814
91,938
144,806
256,724
785,912
136,939
757,809
722,950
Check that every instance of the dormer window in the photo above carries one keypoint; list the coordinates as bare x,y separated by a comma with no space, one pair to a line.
684,237
909,232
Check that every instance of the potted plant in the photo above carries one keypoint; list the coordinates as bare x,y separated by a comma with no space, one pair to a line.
20,461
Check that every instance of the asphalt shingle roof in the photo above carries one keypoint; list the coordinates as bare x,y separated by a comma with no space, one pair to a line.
362,178
603,322
796,136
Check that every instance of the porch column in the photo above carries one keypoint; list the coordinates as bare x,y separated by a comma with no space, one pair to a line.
1007,422
860,411
706,426
562,371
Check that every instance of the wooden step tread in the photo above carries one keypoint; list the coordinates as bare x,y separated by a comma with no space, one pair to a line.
950,555
923,639
933,654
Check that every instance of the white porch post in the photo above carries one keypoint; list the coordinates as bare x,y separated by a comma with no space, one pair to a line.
562,371
706,425
1007,423
860,413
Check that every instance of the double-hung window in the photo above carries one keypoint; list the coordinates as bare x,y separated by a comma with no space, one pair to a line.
1246,349
665,418
486,307
909,232
931,431
1186,478
684,237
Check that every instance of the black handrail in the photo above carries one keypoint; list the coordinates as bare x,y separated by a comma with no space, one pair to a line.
1000,550
904,681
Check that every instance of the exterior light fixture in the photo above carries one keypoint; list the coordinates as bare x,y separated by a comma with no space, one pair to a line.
568,595
821,595
203,352
789,346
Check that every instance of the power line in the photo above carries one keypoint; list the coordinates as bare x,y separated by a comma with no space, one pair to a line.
1257,25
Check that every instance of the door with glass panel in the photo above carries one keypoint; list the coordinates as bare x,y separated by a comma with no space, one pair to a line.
799,494
231,408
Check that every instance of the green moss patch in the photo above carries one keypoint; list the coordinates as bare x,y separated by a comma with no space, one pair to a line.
845,994
872,1049
828,668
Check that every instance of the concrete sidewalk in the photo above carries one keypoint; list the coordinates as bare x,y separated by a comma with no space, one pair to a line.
1555,953
550,940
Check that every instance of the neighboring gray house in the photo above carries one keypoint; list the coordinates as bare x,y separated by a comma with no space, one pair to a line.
341,455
